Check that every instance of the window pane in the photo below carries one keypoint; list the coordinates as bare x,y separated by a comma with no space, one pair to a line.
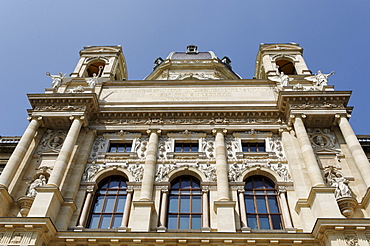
194,148
184,222
114,184
276,222
261,205
252,148
128,149
273,205
121,204
178,149
269,184
109,204
176,185
112,149
98,204
249,203
185,204
196,222
105,222
173,206
172,222
94,221
248,185
197,204
186,148
120,149
117,221
195,185
185,184
258,183
264,222
252,222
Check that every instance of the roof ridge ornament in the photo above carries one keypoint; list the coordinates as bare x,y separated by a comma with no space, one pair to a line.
191,49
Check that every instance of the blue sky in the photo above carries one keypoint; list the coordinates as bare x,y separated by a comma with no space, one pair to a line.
45,36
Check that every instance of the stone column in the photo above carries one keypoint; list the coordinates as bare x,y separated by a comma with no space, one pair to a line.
86,208
243,210
19,152
143,208
285,209
307,152
355,148
126,212
65,152
205,210
150,166
225,209
163,212
221,166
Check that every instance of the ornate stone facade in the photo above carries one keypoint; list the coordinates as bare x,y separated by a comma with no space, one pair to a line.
191,155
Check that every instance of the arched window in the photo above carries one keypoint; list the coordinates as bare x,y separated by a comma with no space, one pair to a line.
95,68
286,66
262,204
185,204
109,203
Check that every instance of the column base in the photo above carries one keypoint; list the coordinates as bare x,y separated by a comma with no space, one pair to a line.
246,230
225,211
47,203
142,212
161,229
6,201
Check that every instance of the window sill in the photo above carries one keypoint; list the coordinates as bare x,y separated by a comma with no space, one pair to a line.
186,155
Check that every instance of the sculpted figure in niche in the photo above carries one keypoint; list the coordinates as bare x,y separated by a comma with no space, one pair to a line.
90,172
234,172
136,171
57,79
336,179
210,172
39,182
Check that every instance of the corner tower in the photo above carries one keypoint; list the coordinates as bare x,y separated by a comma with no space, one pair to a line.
103,61
274,58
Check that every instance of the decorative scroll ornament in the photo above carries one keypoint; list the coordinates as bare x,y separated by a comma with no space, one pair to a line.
78,89
232,147
351,240
98,146
276,146
165,146
208,145
283,172
52,141
209,171
140,147
39,182
234,172
136,171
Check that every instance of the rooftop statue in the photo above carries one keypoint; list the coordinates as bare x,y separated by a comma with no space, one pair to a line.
282,78
57,79
319,78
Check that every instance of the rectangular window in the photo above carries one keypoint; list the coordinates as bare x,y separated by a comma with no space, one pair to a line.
253,147
186,146
120,147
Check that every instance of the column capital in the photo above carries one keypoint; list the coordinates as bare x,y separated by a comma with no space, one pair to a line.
91,188
157,131
39,119
222,130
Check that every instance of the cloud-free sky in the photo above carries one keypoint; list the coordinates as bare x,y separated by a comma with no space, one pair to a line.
39,36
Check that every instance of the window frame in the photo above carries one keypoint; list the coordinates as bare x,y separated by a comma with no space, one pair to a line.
124,144
178,195
121,192
257,199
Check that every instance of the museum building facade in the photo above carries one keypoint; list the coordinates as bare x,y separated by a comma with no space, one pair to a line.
191,155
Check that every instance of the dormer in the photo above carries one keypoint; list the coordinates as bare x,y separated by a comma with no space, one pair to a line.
192,65
272,59
101,61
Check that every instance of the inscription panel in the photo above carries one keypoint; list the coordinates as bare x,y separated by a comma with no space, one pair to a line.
181,94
